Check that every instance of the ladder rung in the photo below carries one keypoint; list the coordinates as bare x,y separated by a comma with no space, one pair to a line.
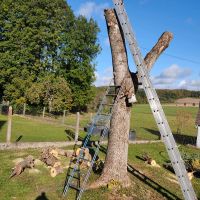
74,187
104,114
83,159
75,177
77,170
107,104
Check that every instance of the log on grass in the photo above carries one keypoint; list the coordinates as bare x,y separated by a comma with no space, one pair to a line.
56,169
28,162
48,158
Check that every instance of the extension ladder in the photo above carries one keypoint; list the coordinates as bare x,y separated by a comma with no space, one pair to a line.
155,105
102,119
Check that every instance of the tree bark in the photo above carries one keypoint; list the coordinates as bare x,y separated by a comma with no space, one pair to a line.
28,162
117,153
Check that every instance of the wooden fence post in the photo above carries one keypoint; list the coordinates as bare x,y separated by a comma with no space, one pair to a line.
63,119
77,126
43,112
24,109
9,128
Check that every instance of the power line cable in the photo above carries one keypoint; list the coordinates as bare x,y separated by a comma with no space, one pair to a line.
169,55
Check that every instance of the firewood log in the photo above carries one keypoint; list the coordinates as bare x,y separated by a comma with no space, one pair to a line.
149,160
48,158
28,162
86,155
55,171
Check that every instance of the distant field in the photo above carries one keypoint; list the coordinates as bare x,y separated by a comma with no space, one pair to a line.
142,122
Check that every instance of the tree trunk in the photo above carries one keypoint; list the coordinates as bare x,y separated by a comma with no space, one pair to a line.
117,153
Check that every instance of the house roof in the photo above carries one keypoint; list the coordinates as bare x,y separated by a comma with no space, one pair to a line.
197,122
188,100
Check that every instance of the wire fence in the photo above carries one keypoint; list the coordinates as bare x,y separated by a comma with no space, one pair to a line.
36,124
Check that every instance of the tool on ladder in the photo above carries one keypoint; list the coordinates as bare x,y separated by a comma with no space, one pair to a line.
102,119
158,113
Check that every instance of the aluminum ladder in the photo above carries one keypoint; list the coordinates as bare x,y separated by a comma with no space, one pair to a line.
102,119
158,113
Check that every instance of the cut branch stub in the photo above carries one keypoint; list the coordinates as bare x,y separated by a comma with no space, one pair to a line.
160,46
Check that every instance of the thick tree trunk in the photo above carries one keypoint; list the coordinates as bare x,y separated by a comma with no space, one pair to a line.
117,153
116,158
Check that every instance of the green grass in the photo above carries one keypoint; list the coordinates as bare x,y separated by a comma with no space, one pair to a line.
143,123
39,129
152,183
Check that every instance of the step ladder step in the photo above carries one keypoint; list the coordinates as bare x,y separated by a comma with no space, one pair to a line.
75,177
83,159
101,119
75,187
105,104
104,114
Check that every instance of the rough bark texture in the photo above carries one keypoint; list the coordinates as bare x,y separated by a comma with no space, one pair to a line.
48,158
117,154
160,46
28,162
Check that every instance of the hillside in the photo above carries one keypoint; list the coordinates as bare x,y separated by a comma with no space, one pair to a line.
165,95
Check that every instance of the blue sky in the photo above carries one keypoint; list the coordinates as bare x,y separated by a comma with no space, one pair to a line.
179,65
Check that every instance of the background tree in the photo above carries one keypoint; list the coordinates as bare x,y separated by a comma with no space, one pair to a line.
53,92
45,37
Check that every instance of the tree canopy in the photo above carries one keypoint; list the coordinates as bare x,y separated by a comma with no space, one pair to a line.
43,38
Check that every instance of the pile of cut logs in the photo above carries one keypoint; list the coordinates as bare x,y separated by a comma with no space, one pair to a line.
51,158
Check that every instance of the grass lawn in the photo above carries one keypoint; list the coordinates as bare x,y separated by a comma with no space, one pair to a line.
148,182
142,121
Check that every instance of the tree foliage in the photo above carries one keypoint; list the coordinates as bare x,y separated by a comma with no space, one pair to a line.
42,38
53,92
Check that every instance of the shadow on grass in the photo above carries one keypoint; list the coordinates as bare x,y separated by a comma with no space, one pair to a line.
19,138
71,135
164,192
179,138
42,197
153,132
2,122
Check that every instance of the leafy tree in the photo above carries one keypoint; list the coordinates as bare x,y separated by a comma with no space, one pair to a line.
42,37
51,92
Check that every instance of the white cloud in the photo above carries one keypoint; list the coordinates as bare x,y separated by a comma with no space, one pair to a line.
90,7
171,74
189,84
174,72
104,78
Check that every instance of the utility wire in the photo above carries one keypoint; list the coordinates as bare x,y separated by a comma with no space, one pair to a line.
169,55
177,57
